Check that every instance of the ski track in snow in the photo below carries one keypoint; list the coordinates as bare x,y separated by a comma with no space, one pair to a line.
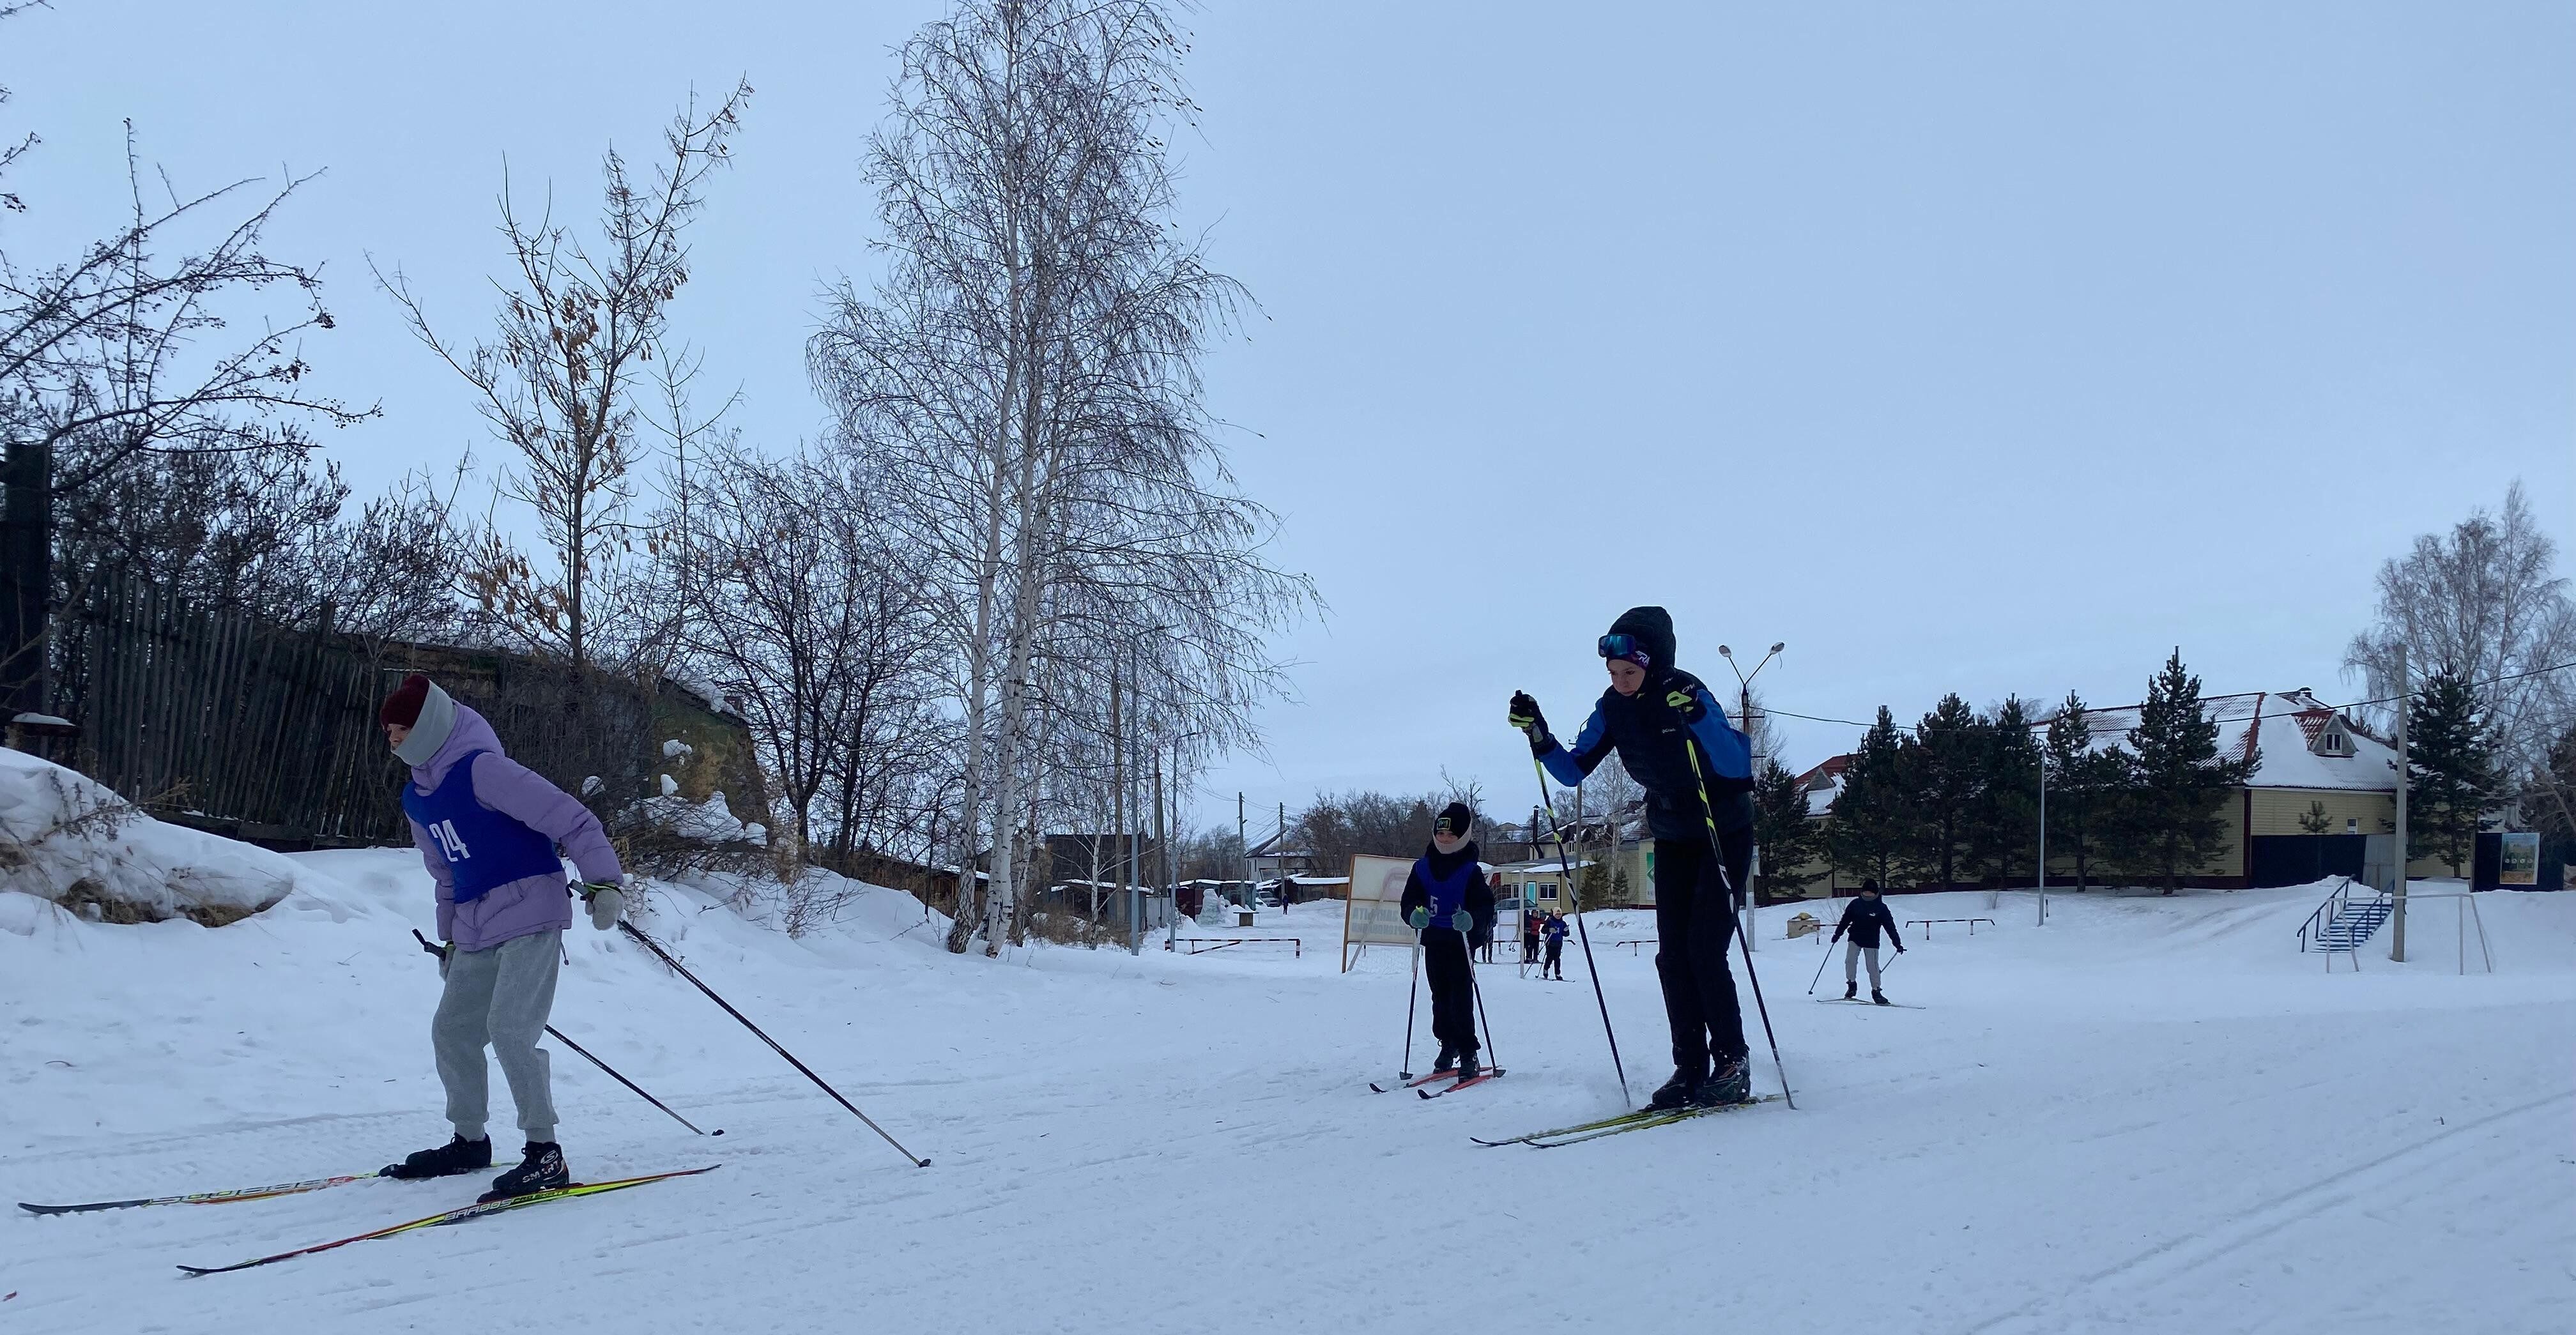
2150,1116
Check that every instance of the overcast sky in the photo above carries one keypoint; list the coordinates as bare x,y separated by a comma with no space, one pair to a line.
1980,347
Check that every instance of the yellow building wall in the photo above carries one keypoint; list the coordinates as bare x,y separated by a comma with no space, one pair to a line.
2277,810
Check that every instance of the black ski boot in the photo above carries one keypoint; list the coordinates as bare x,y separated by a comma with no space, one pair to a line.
1467,1068
1879,998
1851,991
1729,1085
1448,1059
1676,1092
458,1155
542,1170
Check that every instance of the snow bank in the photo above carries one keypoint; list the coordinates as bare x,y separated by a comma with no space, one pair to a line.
75,843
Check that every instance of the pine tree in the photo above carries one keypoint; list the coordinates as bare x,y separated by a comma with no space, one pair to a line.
2075,780
1788,840
2451,769
2006,831
1867,832
1949,774
2169,822
2314,820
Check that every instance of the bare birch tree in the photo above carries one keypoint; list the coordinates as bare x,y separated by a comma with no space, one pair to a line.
2487,603
1024,374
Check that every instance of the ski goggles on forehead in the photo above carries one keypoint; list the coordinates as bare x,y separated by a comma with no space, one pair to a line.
1620,645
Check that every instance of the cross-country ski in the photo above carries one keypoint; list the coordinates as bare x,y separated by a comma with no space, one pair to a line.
1006,604
458,1215
209,1197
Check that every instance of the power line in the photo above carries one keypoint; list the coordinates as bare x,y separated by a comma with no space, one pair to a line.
2041,723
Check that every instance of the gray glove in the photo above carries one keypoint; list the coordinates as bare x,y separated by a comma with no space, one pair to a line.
1462,921
1420,919
605,902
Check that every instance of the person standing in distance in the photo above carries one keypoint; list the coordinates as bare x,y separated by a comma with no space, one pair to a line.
1447,900
1864,920
1696,768
1555,964
487,827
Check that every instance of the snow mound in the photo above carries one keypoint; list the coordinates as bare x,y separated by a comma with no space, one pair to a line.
75,843
708,822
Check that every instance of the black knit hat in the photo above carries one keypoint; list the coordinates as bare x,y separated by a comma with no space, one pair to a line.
1653,629
1454,820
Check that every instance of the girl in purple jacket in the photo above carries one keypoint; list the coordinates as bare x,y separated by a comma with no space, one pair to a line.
487,828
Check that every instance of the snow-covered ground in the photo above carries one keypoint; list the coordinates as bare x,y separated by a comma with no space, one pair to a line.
2152,1115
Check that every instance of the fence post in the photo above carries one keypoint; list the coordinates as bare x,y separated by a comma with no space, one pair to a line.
26,576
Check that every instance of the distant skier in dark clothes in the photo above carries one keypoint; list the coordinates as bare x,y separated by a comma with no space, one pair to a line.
1675,741
1531,922
1447,900
487,827
1555,966
1864,920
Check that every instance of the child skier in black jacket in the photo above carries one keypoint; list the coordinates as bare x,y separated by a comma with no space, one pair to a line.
1447,900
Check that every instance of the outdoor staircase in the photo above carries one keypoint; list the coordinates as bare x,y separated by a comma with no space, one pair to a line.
2358,922
2345,922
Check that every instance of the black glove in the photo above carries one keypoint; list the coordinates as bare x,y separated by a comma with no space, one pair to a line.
1525,716
443,950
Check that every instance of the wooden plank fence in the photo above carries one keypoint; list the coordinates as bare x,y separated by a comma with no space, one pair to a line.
218,718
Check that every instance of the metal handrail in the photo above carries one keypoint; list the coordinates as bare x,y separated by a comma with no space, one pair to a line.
2315,927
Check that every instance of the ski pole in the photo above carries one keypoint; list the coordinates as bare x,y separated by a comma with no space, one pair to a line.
1717,851
808,1072
1478,989
558,1036
1412,992
1566,863
1820,970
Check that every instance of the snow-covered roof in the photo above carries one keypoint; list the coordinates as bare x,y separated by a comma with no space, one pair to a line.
2284,726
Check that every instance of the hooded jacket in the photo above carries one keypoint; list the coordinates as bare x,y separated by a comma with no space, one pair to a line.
530,904
1659,744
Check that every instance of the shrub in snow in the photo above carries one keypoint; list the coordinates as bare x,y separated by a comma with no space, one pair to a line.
74,842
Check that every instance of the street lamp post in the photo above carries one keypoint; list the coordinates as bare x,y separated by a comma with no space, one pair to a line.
1744,715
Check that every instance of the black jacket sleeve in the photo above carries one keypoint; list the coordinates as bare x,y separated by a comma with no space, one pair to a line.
1416,894
1851,915
1888,921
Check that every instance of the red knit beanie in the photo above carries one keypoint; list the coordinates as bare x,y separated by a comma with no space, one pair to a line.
402,708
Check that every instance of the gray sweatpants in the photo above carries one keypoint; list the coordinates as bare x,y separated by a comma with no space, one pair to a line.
500,997
1852,951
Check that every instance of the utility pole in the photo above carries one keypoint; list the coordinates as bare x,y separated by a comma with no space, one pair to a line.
1163,853
2043,838
2397,943
1744,716
1245,847
1117,795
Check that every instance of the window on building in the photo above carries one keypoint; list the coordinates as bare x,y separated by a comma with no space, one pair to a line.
1547,889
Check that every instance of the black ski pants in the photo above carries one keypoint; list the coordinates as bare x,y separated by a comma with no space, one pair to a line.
1694,924
1555,957
1453,988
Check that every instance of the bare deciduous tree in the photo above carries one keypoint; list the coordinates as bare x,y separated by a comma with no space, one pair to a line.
2485,602
804,615
562,382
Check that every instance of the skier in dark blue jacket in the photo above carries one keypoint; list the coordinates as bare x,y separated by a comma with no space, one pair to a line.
1864,920
1447,900
1696,768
